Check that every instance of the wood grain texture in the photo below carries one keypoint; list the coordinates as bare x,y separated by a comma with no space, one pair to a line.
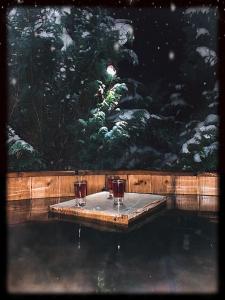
22,186
139,183
18,188
186,185
95,183
41,173
163,184
66,185
208,185
44,187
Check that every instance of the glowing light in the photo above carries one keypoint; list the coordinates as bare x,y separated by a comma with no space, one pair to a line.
111,70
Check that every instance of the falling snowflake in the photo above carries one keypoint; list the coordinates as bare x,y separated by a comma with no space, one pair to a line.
172,7
13,81
171,55
116,46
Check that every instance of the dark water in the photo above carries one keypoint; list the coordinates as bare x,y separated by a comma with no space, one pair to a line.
174,251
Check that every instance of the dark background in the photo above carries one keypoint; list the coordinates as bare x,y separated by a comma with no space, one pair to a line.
153,28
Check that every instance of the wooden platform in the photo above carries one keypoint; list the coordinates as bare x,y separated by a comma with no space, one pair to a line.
99,208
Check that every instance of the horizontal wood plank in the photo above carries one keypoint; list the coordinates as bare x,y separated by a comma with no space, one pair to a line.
66,185
140,183
163,184
25,187
44,187
18,188
95,183
208,185
41,173
186,185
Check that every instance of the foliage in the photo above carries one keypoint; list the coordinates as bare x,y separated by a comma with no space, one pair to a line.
66,111
59,90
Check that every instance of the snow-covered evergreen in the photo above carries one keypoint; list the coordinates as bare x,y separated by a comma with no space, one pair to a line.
69,108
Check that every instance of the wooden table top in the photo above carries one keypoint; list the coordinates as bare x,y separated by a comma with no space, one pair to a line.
100,208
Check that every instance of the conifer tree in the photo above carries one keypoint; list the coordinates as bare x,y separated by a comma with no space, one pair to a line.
199,137
58,60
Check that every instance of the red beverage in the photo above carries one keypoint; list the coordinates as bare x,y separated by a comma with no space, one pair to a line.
110,180
80,189
118,187
109,185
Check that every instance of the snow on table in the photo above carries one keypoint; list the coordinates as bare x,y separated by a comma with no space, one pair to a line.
100,208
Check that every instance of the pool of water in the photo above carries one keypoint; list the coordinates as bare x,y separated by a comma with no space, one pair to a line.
174,251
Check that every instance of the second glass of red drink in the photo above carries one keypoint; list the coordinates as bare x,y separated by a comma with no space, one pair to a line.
109,185
80,189
118,186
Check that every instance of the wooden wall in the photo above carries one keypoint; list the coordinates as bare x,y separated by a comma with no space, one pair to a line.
32,185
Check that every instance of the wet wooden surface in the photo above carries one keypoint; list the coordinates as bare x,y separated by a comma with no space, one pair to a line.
100,208
38,210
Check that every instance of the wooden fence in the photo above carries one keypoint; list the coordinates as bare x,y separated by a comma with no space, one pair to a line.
31,185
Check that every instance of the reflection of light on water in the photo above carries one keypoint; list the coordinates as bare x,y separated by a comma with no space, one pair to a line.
79,235
118,247
101,282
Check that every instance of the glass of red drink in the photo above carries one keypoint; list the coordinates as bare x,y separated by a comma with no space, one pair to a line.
118,186
109,185
80,189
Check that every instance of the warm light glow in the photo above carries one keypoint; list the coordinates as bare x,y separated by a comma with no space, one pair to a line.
111,70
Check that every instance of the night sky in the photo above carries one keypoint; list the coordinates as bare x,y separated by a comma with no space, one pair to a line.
159,43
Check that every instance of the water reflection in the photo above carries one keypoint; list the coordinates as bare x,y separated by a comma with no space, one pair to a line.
175,252
197,203
37,209
20,211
